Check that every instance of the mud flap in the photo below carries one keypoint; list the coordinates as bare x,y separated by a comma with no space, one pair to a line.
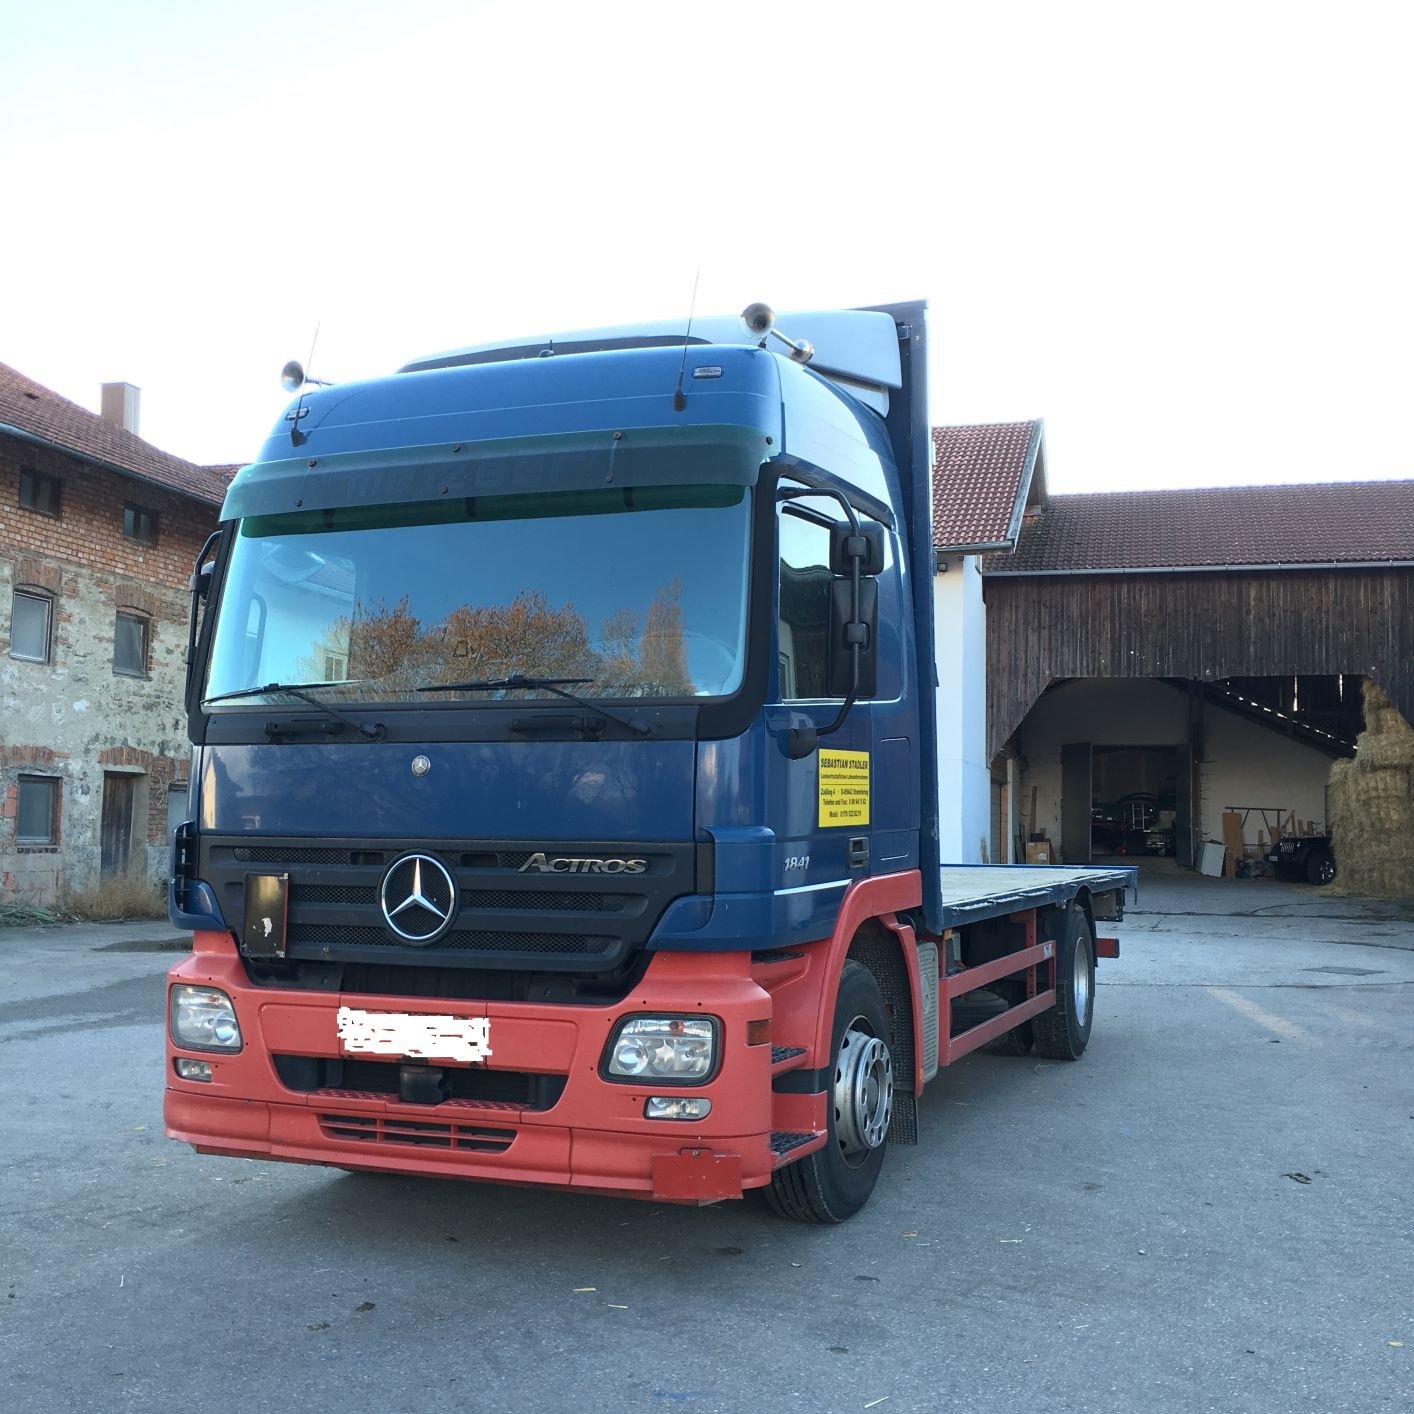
903,1125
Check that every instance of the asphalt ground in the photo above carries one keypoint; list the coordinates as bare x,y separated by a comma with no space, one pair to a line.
1212,1210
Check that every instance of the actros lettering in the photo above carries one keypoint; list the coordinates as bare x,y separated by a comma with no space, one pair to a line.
541,864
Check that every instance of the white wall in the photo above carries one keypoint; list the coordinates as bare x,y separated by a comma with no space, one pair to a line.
1246,765
1241,763
964,782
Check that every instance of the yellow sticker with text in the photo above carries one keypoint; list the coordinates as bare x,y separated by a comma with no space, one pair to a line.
844,788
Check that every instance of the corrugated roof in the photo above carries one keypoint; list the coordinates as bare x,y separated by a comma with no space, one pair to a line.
981,476
1329,523
43,414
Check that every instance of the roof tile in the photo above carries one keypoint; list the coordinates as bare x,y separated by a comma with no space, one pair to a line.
978,474
33,408
1329,523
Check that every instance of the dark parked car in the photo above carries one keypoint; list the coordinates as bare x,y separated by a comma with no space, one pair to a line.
1307,857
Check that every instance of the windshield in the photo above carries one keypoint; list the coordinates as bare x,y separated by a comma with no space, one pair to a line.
639,591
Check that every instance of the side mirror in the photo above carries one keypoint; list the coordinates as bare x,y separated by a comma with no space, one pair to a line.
200,587
845,631
867,545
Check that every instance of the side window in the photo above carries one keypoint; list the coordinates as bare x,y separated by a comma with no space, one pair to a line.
31,626
37,812
804,623
130,645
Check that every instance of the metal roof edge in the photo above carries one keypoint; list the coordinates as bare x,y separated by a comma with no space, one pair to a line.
959,551
1028,471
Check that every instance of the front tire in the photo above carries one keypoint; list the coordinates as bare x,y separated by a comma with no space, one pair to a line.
835,1182
1063,1032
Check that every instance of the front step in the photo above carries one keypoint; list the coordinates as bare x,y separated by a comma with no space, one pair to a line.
785,1058
785,1142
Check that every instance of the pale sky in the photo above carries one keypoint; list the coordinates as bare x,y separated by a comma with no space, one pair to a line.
1180,234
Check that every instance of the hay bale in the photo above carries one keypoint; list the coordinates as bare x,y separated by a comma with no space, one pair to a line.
1372,804
1388,752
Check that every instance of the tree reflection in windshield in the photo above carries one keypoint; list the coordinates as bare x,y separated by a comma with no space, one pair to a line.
640,591
392,647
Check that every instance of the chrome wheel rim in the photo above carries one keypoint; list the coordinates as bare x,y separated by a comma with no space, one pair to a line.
864,1093
1326,871
1080,982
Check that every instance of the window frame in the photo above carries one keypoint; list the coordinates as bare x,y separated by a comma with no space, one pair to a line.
45,598
54,784
41,481
146,623
134,517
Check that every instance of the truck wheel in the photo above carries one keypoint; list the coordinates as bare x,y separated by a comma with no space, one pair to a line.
1320,868
835,1182
1063,1032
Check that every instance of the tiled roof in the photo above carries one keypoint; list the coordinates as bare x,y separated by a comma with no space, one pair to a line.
32,408
1332,523
980,474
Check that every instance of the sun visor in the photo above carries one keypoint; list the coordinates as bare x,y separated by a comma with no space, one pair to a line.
581,461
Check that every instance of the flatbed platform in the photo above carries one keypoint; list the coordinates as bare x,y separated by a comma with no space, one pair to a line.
972,892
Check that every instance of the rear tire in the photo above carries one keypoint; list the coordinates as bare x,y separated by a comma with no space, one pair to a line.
1063,1032
835,1182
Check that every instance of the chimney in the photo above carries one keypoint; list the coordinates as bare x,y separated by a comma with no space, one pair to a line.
119,407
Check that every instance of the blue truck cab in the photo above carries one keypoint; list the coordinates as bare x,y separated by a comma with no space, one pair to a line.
565,800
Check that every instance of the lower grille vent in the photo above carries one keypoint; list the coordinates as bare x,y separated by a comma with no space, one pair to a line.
384,1129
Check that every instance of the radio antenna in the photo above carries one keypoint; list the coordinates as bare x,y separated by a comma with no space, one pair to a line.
679,399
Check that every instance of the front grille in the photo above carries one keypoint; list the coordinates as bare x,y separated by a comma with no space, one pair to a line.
290,854
521,900
331,935
496,859
564,921
529,899
384,1129
334,893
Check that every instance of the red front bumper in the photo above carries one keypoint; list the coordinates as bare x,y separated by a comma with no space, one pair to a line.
593,1137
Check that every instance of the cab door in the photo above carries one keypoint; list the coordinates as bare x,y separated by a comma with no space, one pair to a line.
849,809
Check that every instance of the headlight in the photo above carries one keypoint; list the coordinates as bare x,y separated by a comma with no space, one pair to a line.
203,1019
663,1048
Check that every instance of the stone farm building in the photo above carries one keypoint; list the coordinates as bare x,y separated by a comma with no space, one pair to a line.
98,535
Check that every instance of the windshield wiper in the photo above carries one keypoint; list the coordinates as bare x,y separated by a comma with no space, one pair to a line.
374,731
553,685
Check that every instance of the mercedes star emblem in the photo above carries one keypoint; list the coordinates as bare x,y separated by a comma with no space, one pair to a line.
418,898
420,765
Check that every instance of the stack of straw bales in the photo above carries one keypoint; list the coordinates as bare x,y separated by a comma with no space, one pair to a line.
1372,804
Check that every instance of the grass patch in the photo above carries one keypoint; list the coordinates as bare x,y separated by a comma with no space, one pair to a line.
25,915
122,897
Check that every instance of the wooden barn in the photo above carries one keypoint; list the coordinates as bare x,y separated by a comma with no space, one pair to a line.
1156,660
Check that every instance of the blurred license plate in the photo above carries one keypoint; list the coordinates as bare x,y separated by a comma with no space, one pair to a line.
419,1036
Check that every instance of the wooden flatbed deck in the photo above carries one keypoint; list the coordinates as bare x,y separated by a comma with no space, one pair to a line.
972,892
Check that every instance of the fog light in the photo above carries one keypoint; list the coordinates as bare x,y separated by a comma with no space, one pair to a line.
193,1069
671,1048
203,1019
677,1107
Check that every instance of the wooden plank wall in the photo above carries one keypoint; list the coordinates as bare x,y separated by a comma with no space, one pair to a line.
1204,626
